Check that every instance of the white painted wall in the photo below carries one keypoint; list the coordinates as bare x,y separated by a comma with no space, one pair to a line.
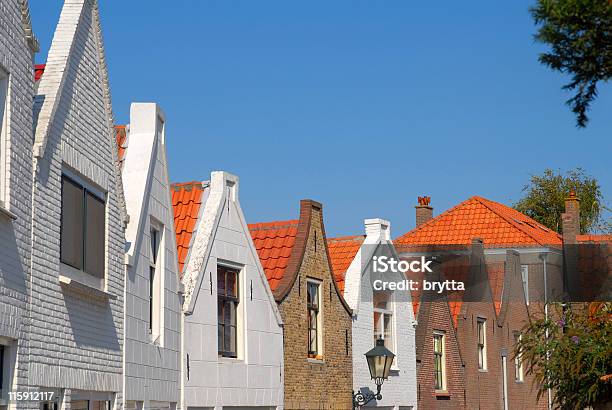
400,390
76,338
15,187
255,379
151,367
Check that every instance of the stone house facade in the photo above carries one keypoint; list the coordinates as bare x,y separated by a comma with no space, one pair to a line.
152,302
376,314
76,310
232,330
317,330
17,48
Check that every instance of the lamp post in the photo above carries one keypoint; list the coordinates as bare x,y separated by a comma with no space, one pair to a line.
379,360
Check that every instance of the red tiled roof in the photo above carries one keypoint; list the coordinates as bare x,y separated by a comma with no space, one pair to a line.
498,225
594,238
274,242
342,251
186,201
39,69
122,143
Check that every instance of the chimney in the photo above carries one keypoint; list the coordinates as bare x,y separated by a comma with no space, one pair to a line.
424,212
570,219
378,228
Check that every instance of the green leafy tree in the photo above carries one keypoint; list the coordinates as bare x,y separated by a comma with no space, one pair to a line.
570,353
545,196
579,33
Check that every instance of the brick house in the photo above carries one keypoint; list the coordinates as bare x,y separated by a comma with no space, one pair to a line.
17,48
152,302
232,329
317,331
439,363
476,237
75,325
376,314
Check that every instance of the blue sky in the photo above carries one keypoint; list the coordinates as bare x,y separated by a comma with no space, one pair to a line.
362,105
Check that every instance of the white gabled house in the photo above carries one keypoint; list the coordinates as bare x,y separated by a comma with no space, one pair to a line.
377,314
232,330
152,300
17,48
75,326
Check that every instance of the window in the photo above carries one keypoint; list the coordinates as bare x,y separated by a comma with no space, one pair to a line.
518,363
481,325
439,361
154,291
227,303
525,276
313,301
83,228
1,370
383,319
3,131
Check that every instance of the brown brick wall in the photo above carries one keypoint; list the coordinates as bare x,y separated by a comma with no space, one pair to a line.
435,316
309,384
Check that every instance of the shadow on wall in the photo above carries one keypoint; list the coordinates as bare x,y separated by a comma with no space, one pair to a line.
91,321
12,282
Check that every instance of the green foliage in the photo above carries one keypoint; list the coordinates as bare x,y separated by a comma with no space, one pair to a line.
579,33
545,195
569,353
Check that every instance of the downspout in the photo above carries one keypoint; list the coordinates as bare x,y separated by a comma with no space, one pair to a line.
543,256
505,379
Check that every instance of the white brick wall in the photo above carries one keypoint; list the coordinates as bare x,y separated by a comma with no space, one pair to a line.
15,186
76,341
255,378
151,371
400,390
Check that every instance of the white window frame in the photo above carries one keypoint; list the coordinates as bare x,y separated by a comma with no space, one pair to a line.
386,312
481,351
525,279
320,346
80,275
4,127
519,374
442,336
156,289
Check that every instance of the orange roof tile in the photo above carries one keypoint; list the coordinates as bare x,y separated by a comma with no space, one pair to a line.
496,272
274,242
498,225
186,201
122,143
594,238
342,251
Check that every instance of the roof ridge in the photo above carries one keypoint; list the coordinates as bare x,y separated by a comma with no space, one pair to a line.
509,220
347,238
273,225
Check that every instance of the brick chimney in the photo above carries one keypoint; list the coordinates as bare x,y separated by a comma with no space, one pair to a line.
424,212
570,219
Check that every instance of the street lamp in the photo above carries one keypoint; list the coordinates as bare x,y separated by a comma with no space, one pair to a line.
379,360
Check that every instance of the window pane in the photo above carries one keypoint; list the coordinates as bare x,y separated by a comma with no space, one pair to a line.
388,331
221,281
72,224
154,245
220,332
95,230
231,283
377,325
